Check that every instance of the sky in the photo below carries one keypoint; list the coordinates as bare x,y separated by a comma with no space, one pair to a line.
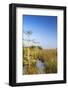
43,28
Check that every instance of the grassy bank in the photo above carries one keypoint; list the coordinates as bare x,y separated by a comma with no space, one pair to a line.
47,56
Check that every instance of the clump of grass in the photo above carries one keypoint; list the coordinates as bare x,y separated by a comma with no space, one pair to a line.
32,69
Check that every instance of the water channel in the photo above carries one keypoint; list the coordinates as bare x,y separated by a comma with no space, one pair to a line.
39,65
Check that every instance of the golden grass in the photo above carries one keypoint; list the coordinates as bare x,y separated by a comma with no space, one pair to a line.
48,56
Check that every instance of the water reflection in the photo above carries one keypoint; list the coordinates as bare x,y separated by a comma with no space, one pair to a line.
40,66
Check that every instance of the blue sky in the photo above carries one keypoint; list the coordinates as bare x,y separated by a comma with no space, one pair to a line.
44,29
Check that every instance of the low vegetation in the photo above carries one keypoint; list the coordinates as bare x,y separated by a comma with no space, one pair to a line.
47,56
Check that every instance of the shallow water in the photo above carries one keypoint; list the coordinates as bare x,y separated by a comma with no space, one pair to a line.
39,65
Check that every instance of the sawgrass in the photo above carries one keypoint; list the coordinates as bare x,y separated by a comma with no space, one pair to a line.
48,56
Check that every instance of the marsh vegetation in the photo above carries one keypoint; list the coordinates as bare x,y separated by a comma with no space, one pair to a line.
37,60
